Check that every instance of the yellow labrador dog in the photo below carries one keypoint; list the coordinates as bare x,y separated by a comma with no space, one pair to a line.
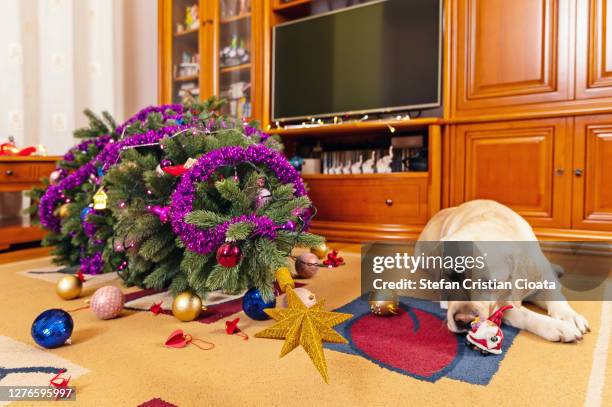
484,220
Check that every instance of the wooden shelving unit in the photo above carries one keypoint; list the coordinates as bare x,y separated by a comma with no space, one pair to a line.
239,17
186,32
237,24
186,78
379,206
234,68
281,6
559,122
356,127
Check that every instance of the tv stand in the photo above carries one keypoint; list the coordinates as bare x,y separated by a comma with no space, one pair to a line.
369,207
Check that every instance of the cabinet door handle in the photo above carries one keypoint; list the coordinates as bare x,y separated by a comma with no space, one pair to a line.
9,172
578,172
560,171
389,202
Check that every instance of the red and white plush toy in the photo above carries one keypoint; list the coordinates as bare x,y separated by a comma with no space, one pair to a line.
487,336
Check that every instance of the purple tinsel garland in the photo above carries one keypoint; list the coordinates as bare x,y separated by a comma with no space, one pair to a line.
250,130
92,264
90,229
108,157
100,142
144,113
205,241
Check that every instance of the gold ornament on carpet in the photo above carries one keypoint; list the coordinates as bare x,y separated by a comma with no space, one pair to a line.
308,327
284,279
187,306
320,251
69,287
100,199
384,303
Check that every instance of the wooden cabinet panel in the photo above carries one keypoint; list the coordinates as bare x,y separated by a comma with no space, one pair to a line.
524,165
510,53
592,173
593,49
392,199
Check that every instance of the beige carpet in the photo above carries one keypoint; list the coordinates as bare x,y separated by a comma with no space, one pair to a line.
124,362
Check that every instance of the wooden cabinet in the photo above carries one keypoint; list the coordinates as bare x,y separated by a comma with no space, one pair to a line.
593,49
221,53
510,54
20,174
592,173
525,165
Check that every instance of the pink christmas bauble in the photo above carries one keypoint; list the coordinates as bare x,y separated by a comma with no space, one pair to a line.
107,302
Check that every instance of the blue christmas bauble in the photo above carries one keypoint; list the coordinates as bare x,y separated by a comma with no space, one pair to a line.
52,328
296,162
85,212
253,305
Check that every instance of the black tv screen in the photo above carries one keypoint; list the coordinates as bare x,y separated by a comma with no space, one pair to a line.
377,57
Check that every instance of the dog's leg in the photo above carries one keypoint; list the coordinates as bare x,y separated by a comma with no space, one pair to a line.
554,330
561,310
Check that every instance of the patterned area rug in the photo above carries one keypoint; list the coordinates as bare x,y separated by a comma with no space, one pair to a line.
123,361
416,343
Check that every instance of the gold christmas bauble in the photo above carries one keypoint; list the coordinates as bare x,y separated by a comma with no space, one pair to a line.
69,287
320,251
187,306
384,303
63,210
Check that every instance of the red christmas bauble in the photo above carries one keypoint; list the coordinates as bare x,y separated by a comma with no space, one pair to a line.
228,255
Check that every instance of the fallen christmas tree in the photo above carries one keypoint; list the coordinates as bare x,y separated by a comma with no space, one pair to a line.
184,198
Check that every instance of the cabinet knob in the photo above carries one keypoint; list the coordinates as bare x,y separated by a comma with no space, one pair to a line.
8,172
578,172
389,202
560,171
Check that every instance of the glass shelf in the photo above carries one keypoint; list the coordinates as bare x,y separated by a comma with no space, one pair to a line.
186,22
234,74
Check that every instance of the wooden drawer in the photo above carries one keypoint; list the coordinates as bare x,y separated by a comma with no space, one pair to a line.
21,172
395,199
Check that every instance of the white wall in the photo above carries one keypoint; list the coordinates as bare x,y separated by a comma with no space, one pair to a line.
58,57
137,37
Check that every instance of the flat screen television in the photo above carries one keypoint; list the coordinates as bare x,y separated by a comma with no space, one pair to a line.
382,56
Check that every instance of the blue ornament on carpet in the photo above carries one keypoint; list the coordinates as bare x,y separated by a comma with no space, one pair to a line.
52,328
253,305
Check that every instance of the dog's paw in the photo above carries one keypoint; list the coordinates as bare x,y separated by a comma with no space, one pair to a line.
560,331
573,317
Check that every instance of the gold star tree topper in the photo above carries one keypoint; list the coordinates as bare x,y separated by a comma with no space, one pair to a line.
308,327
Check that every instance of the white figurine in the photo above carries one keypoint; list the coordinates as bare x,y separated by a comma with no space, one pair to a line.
368,165
347,167
336,167
356,168
383,166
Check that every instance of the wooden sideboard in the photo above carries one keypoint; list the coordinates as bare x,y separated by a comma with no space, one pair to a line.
20,174
528,98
